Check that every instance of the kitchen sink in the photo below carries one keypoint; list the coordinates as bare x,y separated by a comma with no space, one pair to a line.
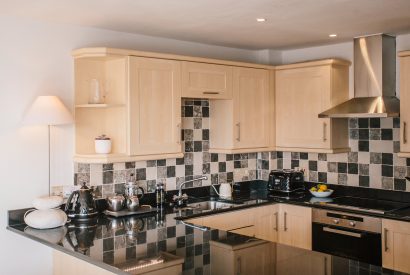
211,205
257,201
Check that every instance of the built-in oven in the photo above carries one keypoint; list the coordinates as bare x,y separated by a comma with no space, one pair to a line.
347,235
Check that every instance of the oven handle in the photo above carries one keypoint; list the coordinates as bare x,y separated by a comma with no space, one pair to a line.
342,232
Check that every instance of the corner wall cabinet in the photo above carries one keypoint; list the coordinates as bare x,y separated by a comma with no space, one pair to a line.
404,59
142,109
395,245
303,91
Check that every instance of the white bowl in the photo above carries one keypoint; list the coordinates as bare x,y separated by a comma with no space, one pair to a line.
323,194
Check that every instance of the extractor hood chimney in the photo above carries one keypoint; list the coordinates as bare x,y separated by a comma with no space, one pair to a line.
374,80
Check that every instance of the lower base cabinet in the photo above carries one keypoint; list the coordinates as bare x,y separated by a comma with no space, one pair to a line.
298,261
64,264
396,245
257,257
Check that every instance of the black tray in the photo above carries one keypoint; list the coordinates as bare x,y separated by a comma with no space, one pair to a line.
144,209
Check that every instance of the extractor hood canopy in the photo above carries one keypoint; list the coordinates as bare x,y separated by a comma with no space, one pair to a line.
374,80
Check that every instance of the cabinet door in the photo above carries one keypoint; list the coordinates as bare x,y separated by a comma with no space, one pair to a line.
155,106
300,97
404,104
267,222
258,259
201,80
251,108
295,223
396,245
290,260
231,221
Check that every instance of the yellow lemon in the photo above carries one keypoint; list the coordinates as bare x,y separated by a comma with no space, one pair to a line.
320,190
323,187
314,189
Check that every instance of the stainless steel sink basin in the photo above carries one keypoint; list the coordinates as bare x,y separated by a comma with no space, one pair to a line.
257,201
211,205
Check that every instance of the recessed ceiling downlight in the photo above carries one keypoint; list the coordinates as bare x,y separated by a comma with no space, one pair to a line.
261,19
333,35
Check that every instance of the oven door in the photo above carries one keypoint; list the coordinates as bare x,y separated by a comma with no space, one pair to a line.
354,244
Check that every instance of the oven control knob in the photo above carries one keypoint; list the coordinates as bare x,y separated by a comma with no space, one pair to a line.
352,224
336,221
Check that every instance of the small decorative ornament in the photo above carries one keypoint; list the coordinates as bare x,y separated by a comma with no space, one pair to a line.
47,214
102,145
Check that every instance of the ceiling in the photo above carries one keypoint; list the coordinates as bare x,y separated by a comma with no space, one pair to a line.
290,23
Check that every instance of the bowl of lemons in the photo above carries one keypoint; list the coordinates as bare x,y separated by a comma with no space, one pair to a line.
321,191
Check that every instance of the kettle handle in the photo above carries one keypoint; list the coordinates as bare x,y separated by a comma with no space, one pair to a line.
67,204
142,192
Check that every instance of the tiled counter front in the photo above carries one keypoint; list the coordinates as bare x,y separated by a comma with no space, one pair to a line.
372,162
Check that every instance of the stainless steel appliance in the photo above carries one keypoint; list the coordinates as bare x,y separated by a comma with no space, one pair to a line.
81,205
363,204
285,181
347,235
374,80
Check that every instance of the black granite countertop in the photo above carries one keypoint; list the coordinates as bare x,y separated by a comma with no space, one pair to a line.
112,243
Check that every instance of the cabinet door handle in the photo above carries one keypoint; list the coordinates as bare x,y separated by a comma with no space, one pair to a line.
179,133
276,221
210,93
239,131
285,227
239,265
325,266
324,131
385,240
404,132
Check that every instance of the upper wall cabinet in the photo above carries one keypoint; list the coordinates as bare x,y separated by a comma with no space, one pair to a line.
303,91
140,112
243,124
404,58
155,106
201,80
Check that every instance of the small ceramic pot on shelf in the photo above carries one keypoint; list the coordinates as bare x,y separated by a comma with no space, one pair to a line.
103,145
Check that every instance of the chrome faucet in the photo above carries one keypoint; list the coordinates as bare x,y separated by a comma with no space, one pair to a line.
181,198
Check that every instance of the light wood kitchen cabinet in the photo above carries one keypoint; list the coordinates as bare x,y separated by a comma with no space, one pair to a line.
303,91
298,261
256,257
202,80
243,124
141,112
240,222
295,226
404,59
395,245
267,222
155,106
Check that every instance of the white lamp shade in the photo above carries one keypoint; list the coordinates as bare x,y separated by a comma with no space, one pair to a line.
47,110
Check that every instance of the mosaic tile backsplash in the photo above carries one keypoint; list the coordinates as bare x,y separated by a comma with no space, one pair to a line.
372,162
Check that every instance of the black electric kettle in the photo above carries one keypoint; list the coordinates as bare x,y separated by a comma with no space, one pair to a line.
82,204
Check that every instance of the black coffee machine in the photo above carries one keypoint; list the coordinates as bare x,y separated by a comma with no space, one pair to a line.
286,182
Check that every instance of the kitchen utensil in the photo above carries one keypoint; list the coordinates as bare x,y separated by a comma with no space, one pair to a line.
132,194
225,190
102,145
116,202
82,204
143,209
323,194
285,181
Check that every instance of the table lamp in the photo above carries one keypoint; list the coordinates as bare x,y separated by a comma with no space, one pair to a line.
49,111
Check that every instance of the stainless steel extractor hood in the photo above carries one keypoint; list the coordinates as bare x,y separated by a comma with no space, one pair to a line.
374,80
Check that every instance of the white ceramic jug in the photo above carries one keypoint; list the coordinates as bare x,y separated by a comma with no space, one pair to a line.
225,190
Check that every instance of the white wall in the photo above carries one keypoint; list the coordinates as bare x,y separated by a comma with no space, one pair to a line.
35,59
